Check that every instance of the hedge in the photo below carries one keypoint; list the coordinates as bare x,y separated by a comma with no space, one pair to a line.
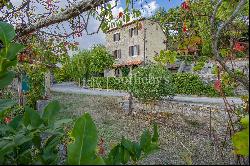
186,84
192,84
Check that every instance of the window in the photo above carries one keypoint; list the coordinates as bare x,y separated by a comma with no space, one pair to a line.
116,36
134,50
133,32
117,54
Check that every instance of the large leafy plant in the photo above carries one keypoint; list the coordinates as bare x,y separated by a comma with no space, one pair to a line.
84,148
32,138
8,59
8,53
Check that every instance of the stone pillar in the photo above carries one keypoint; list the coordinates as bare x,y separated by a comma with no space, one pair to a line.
47,83
130,71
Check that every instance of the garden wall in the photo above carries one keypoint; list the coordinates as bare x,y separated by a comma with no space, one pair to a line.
195,112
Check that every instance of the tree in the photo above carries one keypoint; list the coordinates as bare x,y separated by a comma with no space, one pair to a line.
213,26
88,63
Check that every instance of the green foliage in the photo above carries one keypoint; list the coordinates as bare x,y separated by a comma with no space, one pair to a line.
199,66
8,53
83,149
117,83
166,57
241,139
8,59
151,83
191,84
25,135
185,83
85,64
35,74
125,71
135,151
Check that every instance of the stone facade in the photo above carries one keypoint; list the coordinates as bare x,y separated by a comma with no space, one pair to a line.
150,39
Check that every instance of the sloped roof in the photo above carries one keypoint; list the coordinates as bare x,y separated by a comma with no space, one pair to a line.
129,63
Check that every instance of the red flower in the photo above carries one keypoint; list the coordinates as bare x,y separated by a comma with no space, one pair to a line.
76,43
239,47
120,15
7,120
185,6
217,85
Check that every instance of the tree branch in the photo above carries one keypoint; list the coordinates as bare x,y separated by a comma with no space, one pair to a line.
71,12
215,36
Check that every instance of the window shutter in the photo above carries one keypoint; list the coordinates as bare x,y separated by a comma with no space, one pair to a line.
138,49
136,31
120,53
130,50
131,32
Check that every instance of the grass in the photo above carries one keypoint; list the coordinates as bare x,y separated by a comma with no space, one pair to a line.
182,141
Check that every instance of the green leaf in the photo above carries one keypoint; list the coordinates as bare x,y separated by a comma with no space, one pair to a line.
16,122
245,121
155,134
37,141
114,157
145,141
124,155
60,122
83,149
241,142
25,158
6,78
7,32
13,49
5,104
50,112
31,117
20,138
49,151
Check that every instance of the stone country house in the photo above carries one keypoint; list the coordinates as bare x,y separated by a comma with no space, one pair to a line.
134,44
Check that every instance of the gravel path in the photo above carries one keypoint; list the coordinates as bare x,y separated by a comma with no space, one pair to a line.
69,87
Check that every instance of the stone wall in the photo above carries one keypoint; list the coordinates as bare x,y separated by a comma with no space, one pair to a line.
199,112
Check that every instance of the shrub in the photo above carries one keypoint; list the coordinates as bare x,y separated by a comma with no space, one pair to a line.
152,83
191,84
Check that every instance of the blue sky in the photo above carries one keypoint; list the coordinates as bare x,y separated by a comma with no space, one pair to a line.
149,7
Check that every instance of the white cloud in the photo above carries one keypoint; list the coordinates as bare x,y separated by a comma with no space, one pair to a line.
149,9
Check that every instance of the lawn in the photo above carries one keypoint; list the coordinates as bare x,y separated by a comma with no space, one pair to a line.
182,140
